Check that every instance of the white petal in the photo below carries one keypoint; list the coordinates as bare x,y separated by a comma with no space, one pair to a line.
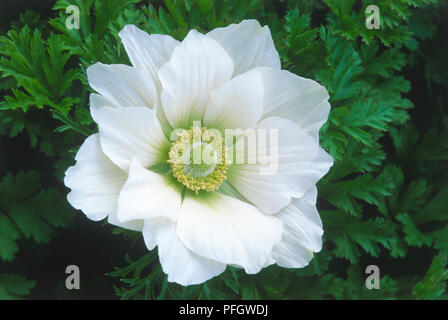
98,102
228,230
302,233
249,45
147,51
134,225
95,182
300,100
132,132
147,194
180,264
238,104
290,169
198,65
123,86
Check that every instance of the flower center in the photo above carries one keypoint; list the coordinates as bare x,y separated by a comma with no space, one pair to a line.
198,159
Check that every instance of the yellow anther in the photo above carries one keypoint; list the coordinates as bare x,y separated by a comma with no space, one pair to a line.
198,159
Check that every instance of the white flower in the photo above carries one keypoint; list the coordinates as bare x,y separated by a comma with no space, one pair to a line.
229,78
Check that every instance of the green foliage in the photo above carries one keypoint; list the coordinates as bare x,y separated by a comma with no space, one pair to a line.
393,17
343,194
144,279
36,68
385,196
13,286
433,285
299,43
28,211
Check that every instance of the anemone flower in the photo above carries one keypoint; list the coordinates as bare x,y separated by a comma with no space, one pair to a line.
163,164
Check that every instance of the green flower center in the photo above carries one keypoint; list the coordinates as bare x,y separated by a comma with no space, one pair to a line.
198,159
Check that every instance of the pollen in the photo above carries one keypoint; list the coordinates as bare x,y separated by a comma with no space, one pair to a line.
198,159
